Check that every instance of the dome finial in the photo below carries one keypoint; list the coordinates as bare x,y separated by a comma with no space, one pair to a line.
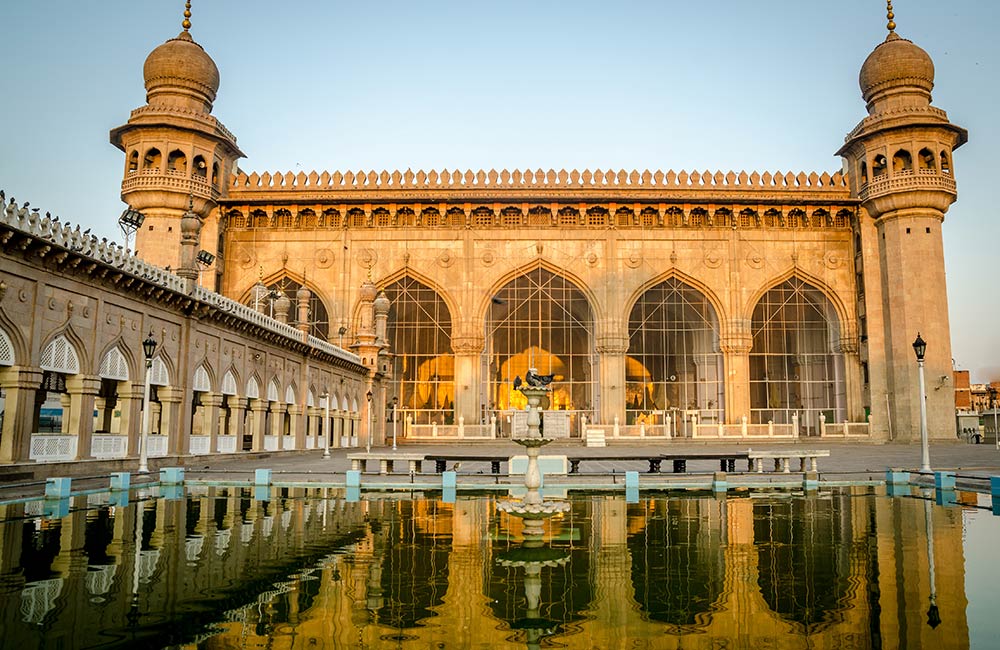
891,25
186,24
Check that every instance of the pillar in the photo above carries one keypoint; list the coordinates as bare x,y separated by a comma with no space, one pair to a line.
735,344
468,376
20,386
170,419
277,410
612,348
82,390
296,425
258,408
237,410
130,404
210,403
314,427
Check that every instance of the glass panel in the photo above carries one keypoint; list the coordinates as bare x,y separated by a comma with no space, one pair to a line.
319,325
540,320
793,365
419,334
673,361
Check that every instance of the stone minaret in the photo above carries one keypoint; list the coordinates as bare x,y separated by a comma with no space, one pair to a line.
900,163
176,150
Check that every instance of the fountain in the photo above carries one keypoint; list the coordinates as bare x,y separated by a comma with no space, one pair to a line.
533,509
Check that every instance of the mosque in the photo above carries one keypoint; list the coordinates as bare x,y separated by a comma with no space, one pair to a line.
688,304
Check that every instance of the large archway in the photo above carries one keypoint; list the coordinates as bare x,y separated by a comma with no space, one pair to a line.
795,367
419,335
674,361
540,320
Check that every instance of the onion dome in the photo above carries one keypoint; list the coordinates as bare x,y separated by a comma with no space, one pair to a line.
382,303
896,64
303,294
281,306
180,71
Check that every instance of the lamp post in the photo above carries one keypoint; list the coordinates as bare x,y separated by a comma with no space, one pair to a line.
993,406
395,403
148,349
920,348
326,425
368,438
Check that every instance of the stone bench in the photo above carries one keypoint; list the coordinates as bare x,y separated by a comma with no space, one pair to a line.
385,461
441,461
654,461
781,458
727,460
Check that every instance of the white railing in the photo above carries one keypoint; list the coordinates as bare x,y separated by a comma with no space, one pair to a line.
745,431
104,445
270,443
156,446
49,448
310,442
227,444
844,429
201,445
287,442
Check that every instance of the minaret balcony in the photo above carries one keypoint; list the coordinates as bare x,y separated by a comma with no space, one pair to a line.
902,181
173,180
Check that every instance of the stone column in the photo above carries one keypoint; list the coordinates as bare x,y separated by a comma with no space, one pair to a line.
735,343
82,391
612,348
853,381
102,421
237,410
315,429
468,370
277,420
210,403
20,386
130,404
170,419
296,427
258,408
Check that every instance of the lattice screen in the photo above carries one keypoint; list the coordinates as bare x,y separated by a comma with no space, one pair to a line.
253,388
311,398
272,391
6,350
290,394
60,356
202,383
114,366
229,383
158,374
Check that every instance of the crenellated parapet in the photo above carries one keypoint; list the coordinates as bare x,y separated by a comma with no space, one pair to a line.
535,179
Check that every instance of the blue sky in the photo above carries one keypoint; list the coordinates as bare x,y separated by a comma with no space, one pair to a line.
332,85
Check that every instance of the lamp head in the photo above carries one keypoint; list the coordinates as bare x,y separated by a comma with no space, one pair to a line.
149,346
920,347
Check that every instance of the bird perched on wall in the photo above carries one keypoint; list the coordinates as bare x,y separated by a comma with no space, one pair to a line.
457,466
517,382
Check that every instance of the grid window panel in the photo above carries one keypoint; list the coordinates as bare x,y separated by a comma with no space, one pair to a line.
674,360
794,367
419,334
319,319
540,320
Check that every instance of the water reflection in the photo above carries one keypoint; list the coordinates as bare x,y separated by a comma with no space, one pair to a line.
307,567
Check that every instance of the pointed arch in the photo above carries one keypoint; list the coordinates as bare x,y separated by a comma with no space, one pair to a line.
843,315
430,283
354,405
60,355
203,379
273,391
18,347
114,364
680,276
541,319
486,300
290,394
252,389
160,372
310,397
320,303
334,402
230,381
6,350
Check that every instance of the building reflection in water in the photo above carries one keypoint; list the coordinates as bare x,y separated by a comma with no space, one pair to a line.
307,568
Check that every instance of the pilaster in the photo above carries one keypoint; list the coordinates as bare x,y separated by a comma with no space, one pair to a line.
735,343
20,385
612,349
82,391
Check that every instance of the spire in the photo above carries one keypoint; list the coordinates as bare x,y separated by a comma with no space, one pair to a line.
891,25
186,24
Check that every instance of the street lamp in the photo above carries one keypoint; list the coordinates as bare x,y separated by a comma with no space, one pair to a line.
368,438
920,348
395,403
993,406
326,426
148,349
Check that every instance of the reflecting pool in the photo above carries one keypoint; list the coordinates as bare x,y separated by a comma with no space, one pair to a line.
309,568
